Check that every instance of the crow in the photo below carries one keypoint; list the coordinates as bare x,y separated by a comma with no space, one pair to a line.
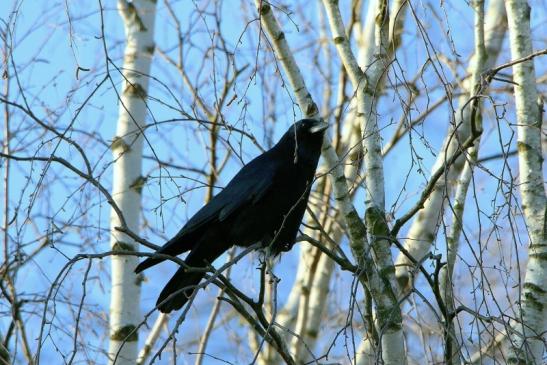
264,202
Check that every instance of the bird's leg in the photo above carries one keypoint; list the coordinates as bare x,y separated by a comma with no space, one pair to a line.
273,278
262,291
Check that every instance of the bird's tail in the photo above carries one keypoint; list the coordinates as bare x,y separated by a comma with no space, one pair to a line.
175,246
183,284
178,290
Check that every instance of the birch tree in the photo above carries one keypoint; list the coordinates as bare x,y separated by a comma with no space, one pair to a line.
528,340
128,182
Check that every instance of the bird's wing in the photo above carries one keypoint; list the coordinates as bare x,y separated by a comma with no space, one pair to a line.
247,187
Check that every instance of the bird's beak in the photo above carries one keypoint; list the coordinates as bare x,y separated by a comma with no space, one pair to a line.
319,126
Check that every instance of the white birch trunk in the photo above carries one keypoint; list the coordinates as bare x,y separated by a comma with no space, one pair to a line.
365,41
389,318
367,94
424,228
446,275
138,17
452,354
366,352
532,319
452,348
313,299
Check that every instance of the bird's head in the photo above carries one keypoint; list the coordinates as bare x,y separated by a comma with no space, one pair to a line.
308,128
304,139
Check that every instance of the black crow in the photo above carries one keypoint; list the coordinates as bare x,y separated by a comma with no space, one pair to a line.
264,202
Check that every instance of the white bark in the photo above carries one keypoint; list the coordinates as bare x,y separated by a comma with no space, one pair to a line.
313,298
372,150
424,228
366,353
318,299
452,352
284,55
287,316
152,338
365,36
446,275
365,41
138,17
298,348
382,288
532,321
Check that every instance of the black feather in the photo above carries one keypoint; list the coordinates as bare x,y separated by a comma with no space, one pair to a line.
264,202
